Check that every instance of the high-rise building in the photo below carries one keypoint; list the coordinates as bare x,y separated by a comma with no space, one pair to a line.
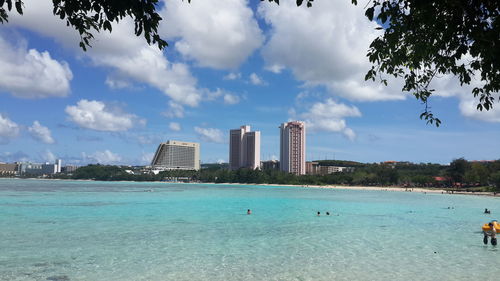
293,147
59,165
244,148
177,155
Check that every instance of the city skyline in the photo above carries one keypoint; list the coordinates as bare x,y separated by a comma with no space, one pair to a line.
114,103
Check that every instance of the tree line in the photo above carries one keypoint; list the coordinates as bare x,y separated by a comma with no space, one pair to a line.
460,173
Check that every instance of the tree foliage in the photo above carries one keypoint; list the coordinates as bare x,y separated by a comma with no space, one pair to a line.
86,16
425,39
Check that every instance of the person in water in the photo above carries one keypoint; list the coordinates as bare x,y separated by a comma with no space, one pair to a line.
492,233
249,212
486,211
319,213
327,213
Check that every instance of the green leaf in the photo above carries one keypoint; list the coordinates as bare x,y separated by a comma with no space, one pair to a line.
107,25
19,7
369,13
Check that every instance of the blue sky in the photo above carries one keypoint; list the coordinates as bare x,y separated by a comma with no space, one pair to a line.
228,63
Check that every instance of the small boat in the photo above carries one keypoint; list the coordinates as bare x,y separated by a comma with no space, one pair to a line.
496,226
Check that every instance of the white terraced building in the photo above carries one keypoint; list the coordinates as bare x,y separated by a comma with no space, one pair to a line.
177,155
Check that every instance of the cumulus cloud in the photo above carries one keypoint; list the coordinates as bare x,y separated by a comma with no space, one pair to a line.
10,157
231,99
48,156
232,76
210,134
146,158
32,74
128,56
324,45
468,108
98,116
256,80
41,133
174,110
219,34
102,157
174,126
8,129
329,116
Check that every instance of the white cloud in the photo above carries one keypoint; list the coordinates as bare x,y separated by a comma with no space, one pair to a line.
128,56
256,80
232,76
174,110
102,157
210,134
468,108
146,158
329,117
174,126
324,45
219,34
41,133
48,156
32,74
231,99
98,116
8,129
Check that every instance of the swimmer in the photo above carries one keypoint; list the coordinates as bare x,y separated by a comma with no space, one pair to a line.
327,213
492,232
486,211
249,212
319,213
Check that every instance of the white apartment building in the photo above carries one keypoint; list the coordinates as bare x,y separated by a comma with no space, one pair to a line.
293,147
244,148
177,155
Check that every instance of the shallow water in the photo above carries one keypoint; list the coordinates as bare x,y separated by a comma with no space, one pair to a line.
75,230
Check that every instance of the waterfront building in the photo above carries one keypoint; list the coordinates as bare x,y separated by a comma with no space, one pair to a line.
315,168
270,165
69,168
293,147
59,165
244,148
8,169
177,155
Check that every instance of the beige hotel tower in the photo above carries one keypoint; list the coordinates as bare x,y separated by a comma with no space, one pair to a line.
244,148
177,155
293,147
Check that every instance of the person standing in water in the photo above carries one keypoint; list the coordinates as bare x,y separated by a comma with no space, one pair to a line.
492,232
249,212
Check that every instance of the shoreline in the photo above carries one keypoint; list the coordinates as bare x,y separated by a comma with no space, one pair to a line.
346,187
373,188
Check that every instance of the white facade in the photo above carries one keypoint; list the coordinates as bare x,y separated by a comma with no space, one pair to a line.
293,147
244,148
177,155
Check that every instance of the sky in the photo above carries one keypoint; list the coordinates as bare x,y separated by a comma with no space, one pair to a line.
229,63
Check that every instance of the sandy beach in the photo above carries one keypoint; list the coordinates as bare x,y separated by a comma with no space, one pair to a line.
380,188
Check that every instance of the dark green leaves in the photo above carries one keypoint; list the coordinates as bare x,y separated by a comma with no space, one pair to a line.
423,40
369,13
19,7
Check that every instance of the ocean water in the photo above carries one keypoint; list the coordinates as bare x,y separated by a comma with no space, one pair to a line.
75,230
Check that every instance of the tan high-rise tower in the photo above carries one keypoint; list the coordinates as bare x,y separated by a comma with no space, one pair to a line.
244,148
293,147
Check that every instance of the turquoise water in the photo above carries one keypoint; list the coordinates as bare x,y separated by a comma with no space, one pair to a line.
69,230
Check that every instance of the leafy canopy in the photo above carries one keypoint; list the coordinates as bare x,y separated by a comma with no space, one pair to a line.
421,40
86,16
426,39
